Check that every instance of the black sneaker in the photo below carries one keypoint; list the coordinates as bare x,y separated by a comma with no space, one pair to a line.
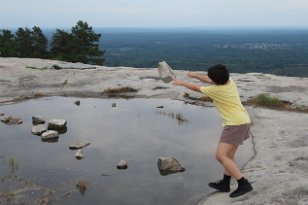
243,188
220,186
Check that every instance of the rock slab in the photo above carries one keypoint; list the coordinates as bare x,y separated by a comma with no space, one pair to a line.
38,129
50,134
57,124
78,144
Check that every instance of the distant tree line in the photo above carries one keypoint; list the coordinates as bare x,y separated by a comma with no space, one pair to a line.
80,45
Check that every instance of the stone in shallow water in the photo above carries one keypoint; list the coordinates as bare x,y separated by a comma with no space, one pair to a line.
38,129
7,119
50,134
79,154
36,120
57,124
82,186
78,144
122,164
169,165
77,102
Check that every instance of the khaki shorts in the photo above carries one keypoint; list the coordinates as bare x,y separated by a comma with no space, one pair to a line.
235,134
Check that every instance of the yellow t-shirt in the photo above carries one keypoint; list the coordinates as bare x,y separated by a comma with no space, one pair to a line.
227,101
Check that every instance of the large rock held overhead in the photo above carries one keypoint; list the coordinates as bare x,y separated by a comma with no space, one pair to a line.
165,72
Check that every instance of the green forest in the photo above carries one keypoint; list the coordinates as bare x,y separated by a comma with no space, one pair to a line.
280,51
79,45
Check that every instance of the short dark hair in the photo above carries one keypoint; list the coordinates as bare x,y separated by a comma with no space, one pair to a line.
218,73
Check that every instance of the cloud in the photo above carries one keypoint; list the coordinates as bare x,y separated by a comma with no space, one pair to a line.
131,13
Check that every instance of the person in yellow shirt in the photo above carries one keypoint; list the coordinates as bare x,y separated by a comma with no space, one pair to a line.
236,121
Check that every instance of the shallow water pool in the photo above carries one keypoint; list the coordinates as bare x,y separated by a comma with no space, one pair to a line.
135,130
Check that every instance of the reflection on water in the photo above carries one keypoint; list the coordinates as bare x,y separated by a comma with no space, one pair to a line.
136,130
13,165
177,116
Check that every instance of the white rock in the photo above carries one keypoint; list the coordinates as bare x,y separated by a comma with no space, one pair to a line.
122,164
79,154
57,124
38,129
50,134
165,72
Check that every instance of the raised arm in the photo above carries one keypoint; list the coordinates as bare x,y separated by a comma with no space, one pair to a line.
203,78
187,85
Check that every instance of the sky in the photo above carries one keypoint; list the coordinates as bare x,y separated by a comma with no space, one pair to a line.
154,13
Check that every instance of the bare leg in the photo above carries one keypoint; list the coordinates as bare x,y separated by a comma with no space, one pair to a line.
231,156
225,155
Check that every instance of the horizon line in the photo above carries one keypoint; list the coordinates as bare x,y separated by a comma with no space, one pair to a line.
171,27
